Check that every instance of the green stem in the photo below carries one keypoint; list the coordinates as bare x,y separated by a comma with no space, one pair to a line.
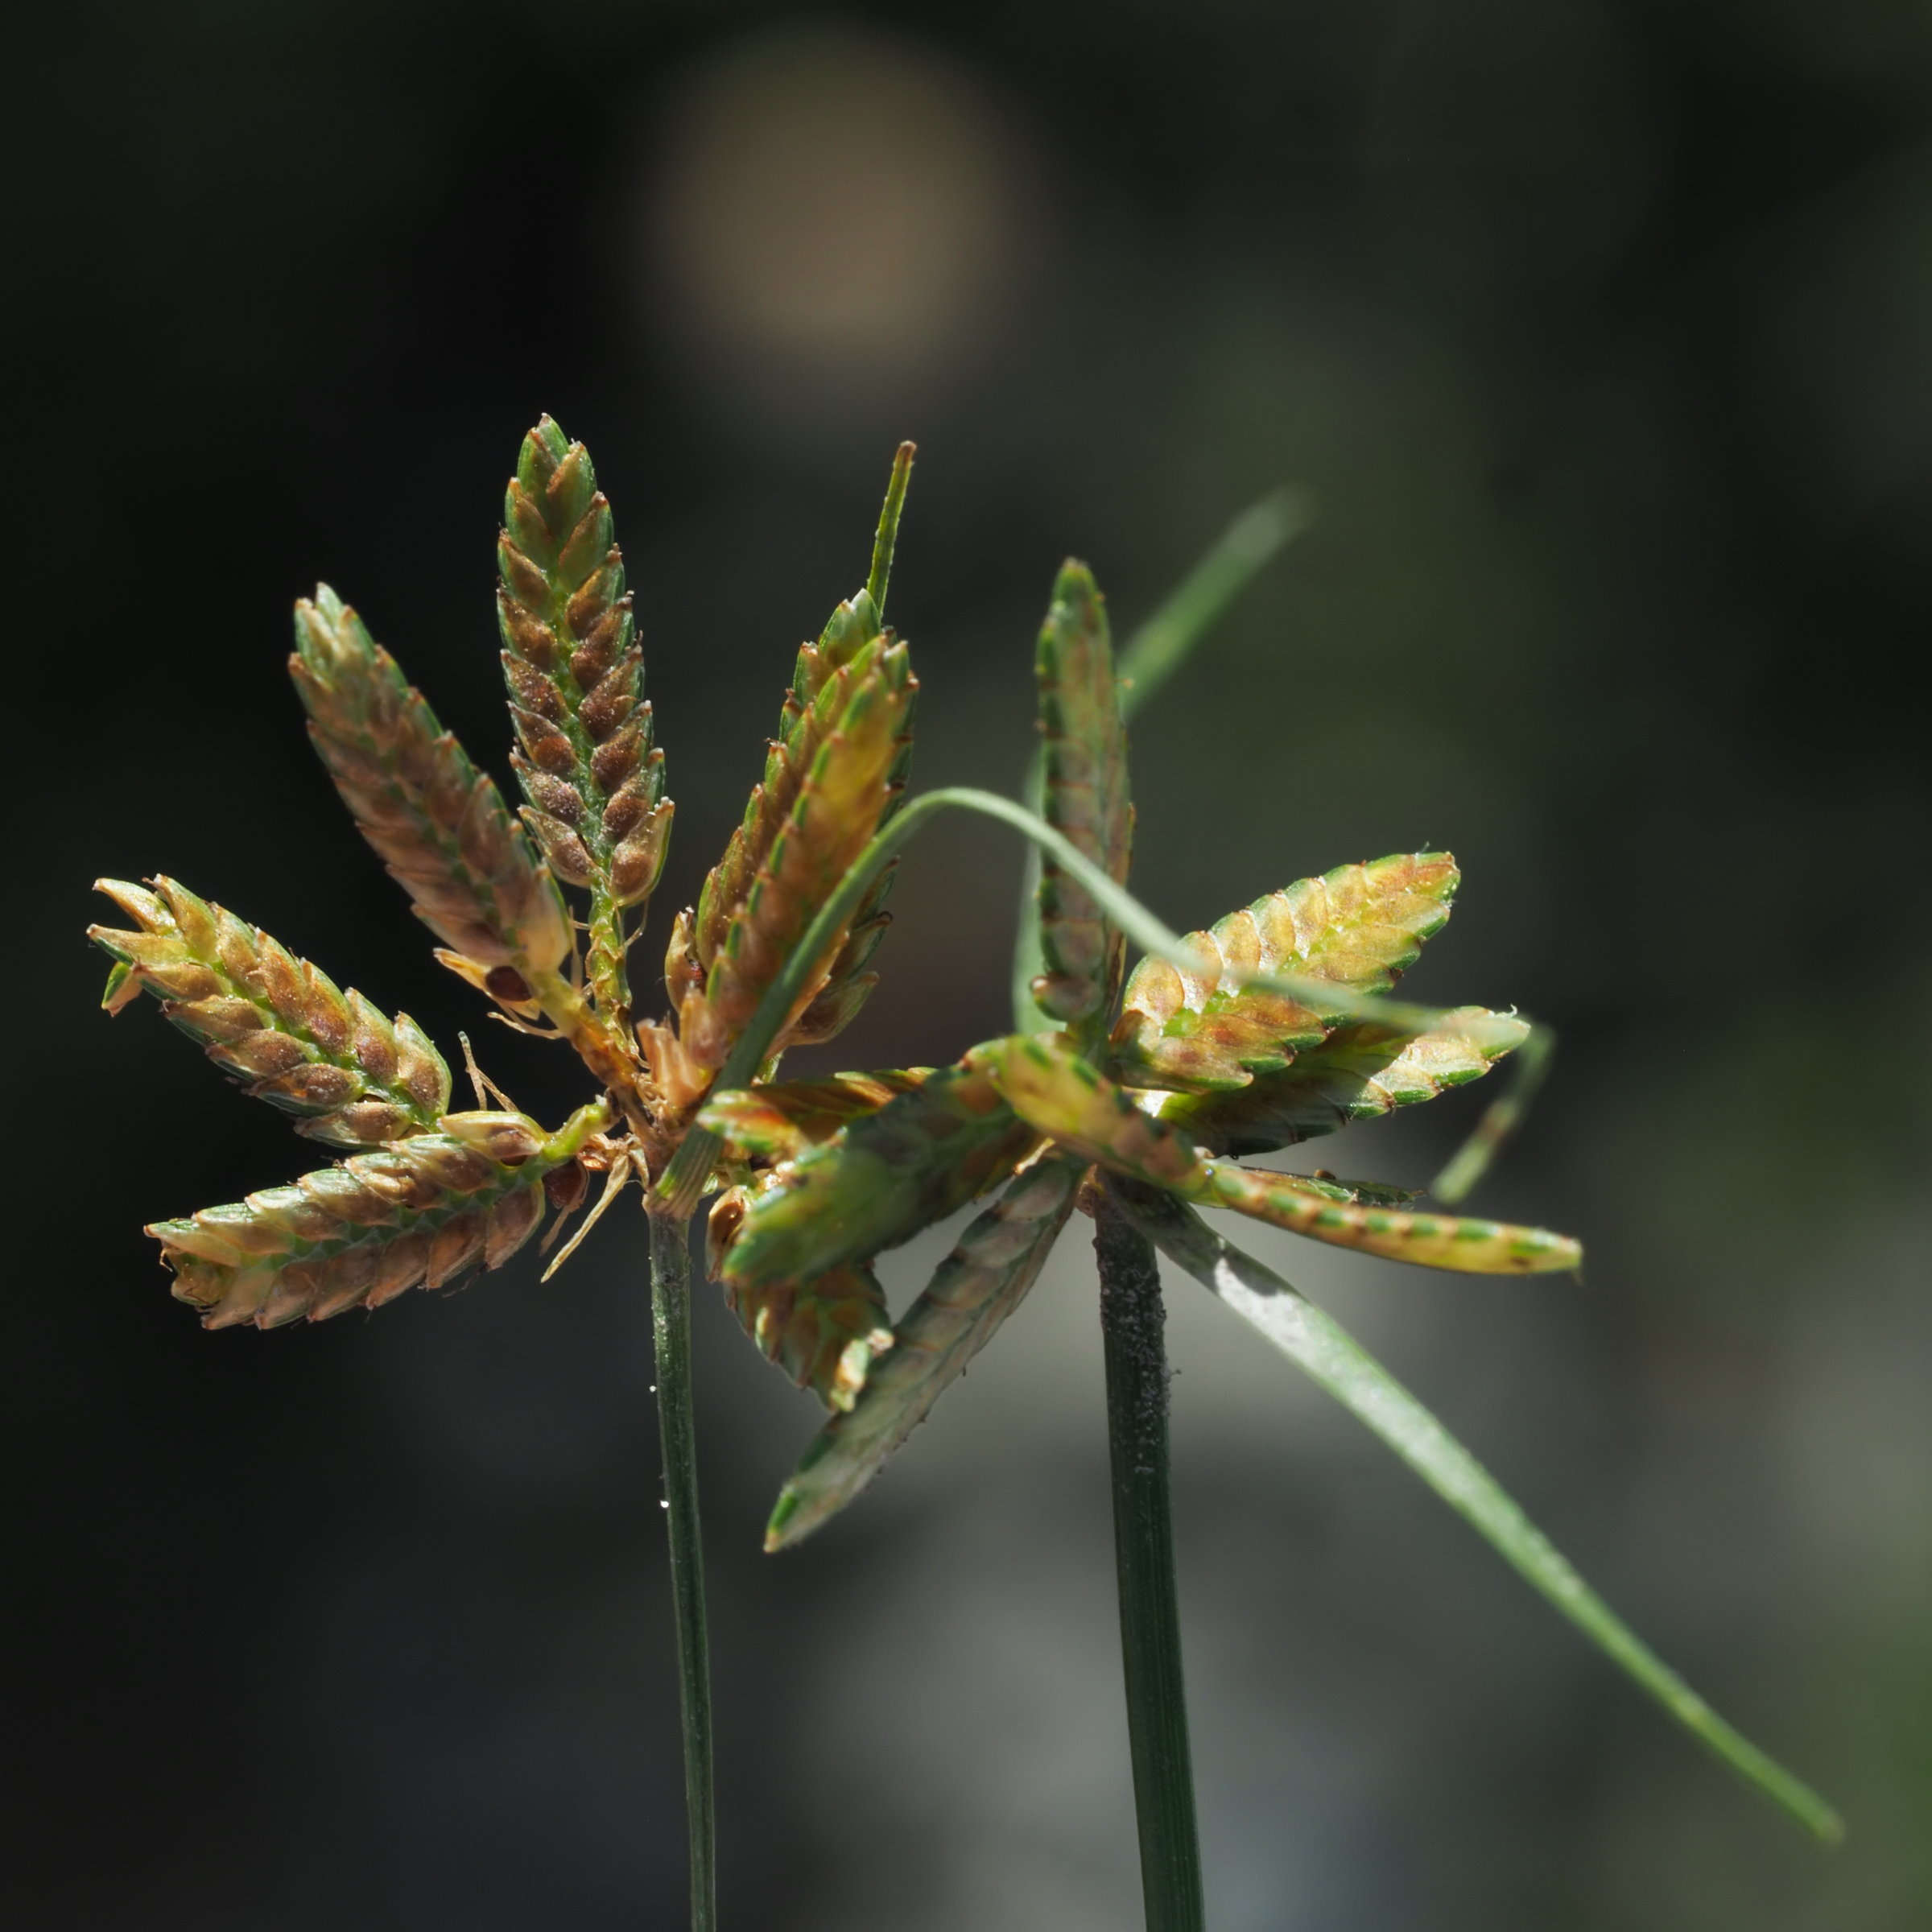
670,1338
1132,1321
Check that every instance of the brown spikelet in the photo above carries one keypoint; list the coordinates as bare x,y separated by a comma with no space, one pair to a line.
824,1333
428,1210
277,1024
829,788
440,825
576,676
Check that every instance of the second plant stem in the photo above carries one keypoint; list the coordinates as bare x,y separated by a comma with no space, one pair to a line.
1133,1321
670,1338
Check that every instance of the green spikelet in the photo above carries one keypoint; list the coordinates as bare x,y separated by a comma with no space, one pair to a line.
1085,748
823,683
584,757
277,1025
1043,1078
438,823
857,733
1358,925
1430,1240
426,1210
1050,1086
1357,1073
878,1181
781,1121
974,1290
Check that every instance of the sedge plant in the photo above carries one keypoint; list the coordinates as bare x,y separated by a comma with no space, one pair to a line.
1134,1099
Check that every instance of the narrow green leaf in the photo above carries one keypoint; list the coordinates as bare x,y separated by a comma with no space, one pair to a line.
1360,1071
1358,927
974,1290
1319,1345
1501,1119
1163,643
1083,746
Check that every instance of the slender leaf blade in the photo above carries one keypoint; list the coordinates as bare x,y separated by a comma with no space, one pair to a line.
1329,1356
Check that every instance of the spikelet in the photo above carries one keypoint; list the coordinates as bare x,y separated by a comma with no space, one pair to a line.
808,715
584,757
876,1181
973,1291
1358,1072
1048,1084
1359,926
426,1210
838,774
824,1333
780,1121
440,824
279,1026
1084,795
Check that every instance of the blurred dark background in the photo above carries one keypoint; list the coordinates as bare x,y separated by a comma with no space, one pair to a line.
1603,333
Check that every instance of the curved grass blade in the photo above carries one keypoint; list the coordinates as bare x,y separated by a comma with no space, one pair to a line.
1359,926
1083,750
973,1291
1501,1119
426,1210
1165,641
595,785
1318,1346
1357,1073
277,1025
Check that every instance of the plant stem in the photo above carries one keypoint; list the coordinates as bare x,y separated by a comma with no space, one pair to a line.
1132,1321
670,1337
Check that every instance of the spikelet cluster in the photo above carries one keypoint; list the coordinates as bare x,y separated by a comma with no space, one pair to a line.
440,824
277,1024
594,781
425,1211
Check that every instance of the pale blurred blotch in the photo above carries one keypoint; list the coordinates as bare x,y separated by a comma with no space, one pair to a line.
835,225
